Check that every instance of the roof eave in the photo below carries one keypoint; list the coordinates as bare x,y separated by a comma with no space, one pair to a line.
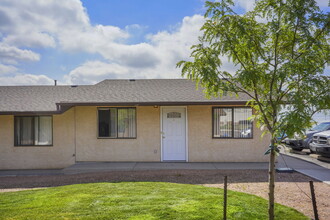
30,112
160,103
64,106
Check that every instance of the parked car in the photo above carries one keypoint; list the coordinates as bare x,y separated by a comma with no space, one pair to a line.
324,126
300,143
321,143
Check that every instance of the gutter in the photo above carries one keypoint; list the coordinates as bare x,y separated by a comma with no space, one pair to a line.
164,103
62,107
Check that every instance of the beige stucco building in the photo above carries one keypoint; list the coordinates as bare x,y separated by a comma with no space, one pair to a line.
123,120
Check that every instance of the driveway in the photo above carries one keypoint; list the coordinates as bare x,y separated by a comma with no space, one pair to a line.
305,167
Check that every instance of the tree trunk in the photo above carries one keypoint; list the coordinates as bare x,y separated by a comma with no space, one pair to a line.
271,182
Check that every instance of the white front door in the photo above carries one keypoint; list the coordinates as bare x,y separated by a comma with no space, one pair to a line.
174,133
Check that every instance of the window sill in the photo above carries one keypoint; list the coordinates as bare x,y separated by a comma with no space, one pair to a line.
33,145
116,138
249,138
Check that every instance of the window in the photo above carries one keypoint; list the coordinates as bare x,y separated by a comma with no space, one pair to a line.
174,115
33,130
117,122
232,123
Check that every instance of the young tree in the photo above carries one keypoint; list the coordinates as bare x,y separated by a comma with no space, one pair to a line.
280,50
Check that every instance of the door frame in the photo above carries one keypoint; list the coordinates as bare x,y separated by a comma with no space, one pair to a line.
161,130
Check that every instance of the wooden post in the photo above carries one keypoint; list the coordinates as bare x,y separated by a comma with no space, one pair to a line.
316,215
271,182
225,199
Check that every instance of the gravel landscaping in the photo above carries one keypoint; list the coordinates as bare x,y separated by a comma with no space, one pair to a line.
289,186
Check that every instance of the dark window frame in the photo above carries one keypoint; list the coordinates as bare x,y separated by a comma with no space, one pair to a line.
16,144
108,108
232,123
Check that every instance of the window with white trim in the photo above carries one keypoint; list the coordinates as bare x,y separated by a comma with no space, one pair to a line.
117,122
33,130
232,122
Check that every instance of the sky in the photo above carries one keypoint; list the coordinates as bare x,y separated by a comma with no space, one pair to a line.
84,42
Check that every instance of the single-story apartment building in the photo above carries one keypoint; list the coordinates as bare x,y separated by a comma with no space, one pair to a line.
149,120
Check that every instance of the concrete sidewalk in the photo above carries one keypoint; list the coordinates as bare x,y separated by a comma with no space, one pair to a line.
284,161
90,167
115,166
305,167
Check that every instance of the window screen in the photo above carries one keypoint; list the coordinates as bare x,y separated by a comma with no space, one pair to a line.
242,126
223,122
232,123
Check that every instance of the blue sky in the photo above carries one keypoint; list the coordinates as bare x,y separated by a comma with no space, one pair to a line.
86,41
155,15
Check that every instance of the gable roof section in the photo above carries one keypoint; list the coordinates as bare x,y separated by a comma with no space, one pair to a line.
57,99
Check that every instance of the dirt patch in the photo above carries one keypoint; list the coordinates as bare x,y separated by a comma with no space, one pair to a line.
289,194
290,187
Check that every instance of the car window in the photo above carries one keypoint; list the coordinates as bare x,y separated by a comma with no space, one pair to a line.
321,127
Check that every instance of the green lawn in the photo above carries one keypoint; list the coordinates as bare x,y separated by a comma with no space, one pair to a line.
135,200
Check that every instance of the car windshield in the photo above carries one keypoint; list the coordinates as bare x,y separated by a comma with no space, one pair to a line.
321,127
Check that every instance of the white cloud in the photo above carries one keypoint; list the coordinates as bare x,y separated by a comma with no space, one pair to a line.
91,39
92,72
38,24
247,5
32,23
167,48
60,24
34,40
156,59
64,25
26,79
51,23
6,69
135,29
10,54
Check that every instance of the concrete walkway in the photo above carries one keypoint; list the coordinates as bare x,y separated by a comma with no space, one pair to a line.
305,167
284,161
90,167
101,167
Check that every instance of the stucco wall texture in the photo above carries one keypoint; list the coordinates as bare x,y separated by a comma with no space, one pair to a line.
60,155
204,148
146,147
75,139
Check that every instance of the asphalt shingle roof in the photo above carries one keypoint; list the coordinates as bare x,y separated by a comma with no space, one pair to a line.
140,91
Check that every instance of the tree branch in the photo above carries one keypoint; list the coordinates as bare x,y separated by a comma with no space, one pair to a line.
261,107
313,40
298,81
294,38
274,112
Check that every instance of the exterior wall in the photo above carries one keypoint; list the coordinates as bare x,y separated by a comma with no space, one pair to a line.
75,139
204,148
60,155
146,147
